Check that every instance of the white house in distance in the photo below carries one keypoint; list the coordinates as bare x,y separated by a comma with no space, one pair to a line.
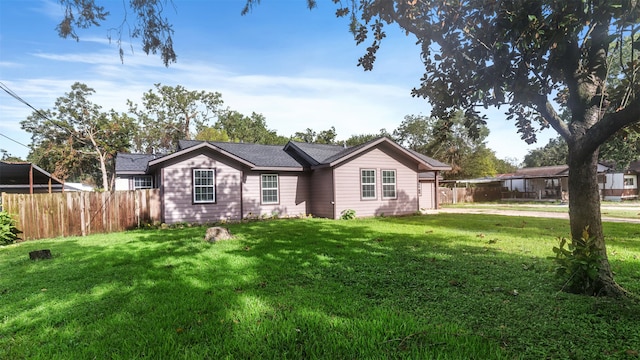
621,185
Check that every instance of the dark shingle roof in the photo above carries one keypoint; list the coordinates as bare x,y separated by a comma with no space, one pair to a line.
320,153
431,161
294,155
133,163
257,154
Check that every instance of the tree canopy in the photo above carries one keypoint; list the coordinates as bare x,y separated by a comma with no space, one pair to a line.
172,113
76,139
555,152
310,136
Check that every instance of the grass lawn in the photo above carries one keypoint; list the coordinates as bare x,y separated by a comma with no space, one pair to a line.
445,286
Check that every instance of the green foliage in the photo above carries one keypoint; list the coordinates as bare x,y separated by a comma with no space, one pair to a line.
151,25
310,136
172,113
578,262
249,129
423,287
8,230
348,214
555,152
76,139
212,134
7,156
354,140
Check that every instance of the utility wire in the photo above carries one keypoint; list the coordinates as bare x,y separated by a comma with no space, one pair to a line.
38,112
17,97
14,140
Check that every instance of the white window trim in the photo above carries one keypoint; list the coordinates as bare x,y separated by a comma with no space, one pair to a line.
633,178
149,177
194,186
362,184
262,189
394,183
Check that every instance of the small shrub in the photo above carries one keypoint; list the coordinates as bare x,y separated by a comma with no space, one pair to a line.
348,214
578,262
8,230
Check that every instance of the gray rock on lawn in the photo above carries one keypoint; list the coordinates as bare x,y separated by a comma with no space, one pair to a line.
217,233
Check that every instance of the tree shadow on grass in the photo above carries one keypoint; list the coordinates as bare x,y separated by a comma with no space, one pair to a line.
300,289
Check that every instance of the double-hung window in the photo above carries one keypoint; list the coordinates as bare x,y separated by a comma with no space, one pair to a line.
204,185
142,182
389,184
269,186
368,183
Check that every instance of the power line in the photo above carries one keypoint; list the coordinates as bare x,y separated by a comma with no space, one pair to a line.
14,140
37,112
17,97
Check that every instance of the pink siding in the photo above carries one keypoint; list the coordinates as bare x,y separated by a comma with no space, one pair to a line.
347,184
321,193
177,190
427,195
293,191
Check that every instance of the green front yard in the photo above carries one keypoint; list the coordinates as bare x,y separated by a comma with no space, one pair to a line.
444,286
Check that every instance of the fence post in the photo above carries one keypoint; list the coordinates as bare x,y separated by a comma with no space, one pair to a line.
83,221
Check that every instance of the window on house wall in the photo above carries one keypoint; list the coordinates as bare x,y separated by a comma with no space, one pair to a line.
143,182
389,184
368,183
270,189
204,185
629,181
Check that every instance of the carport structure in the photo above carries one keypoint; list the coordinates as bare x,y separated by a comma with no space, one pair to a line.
27,178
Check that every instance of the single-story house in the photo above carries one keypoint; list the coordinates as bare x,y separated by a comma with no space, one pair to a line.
621,185
27,178
544,182
210,181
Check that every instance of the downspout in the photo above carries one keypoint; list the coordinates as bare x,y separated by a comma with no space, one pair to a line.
162,215
241,194
333,193
437,193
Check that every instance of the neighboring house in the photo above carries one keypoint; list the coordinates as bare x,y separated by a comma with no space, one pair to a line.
211,181
26,178
621,185
534,183
545,182
75,187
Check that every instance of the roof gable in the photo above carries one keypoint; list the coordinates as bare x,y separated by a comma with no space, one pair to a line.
332,155
254,156
294,156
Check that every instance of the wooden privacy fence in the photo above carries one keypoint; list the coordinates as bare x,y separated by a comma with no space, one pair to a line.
471,194
42,216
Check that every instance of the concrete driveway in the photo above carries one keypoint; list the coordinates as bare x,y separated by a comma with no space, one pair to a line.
486,209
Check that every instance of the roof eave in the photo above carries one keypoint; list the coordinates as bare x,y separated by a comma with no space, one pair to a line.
276,168
131,172
374,143
207,145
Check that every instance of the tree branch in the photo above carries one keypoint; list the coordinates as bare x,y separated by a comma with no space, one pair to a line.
610,124
544,107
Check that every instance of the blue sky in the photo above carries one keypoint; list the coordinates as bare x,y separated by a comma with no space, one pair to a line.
295,66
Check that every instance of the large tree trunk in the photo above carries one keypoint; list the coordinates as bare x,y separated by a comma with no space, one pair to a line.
584,213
